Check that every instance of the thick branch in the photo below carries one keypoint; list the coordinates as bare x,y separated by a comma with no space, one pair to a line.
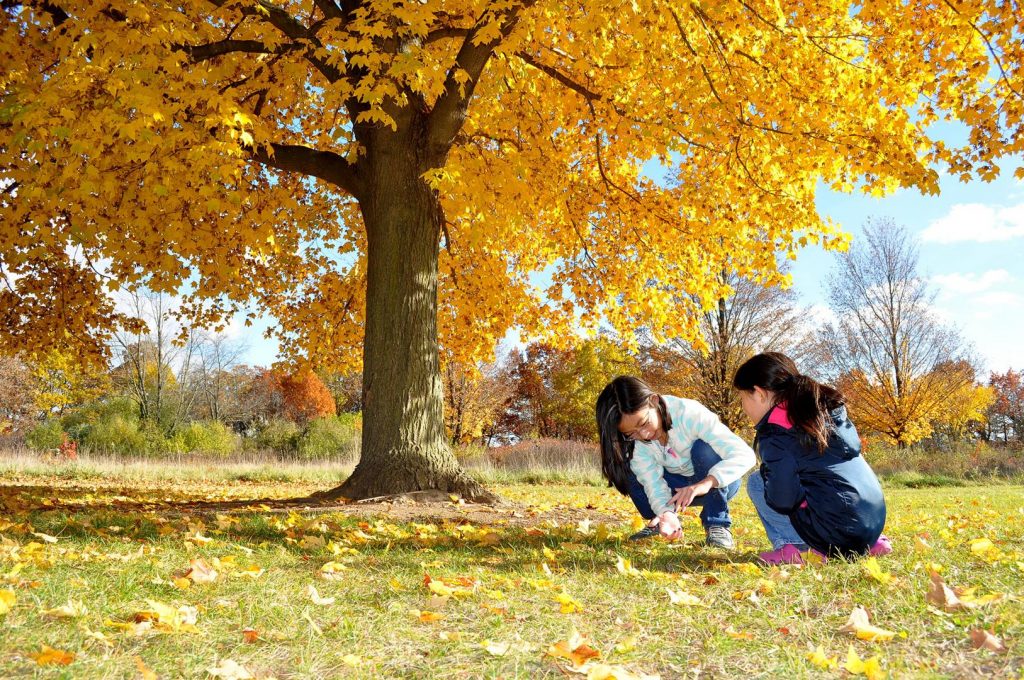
216,49
587,93
449,111
325,165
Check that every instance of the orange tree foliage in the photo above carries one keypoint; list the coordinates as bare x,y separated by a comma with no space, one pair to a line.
300,396
392,171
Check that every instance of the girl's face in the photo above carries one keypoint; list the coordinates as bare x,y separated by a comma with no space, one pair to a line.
756,403
644,424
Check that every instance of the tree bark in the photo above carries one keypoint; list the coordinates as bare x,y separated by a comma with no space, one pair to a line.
404,447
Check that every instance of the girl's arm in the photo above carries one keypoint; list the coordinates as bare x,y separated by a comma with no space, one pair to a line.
782,488
737,457
651,475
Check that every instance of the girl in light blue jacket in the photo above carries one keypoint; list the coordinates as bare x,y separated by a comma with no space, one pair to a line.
667,453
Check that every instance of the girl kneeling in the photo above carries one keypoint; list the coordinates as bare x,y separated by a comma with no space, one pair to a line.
814,489
652,444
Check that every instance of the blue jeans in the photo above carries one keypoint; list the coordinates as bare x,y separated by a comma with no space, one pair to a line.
715,503
778,527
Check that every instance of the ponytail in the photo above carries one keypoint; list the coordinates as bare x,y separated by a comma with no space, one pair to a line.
808,402
622,396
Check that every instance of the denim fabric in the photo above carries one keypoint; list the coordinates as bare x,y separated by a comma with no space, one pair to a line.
778,527
714,504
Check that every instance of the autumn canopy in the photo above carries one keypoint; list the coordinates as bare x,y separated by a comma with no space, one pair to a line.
395,171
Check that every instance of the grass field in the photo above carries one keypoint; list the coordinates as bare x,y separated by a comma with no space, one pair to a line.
121,574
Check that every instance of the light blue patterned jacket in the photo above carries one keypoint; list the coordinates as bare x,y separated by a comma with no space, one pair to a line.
691,421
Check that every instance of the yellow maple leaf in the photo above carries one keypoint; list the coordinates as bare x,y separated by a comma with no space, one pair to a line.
874,570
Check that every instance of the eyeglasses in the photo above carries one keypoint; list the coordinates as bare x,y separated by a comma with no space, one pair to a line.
642,426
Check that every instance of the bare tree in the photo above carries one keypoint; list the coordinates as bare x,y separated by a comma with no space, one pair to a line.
755,318
217,382
158,368
887,346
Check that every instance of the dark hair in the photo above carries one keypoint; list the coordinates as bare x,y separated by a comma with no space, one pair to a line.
808,402
622,396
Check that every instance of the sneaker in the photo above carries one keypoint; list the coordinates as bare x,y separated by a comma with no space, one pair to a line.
881,547
646,532
720,537
788,554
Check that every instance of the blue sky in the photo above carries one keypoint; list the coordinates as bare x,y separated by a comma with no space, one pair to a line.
971,240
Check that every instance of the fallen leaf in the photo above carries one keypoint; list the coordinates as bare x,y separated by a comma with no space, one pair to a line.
495,648
942,595
333,571
201,572
7,600
352,660
874,570
426,616
48,656
921,545
624,566
73,609
45,537
230,670
627,645
682,597
858,625
144,671
983,639
870,668
316,598
818,658
738,635
250,635
575,649
567,604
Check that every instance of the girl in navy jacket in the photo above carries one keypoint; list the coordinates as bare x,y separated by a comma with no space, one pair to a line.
814,489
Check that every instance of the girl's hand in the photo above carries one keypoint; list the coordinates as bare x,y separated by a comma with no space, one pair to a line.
669,526
684,497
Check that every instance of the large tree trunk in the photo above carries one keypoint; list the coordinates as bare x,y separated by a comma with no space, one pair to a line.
404,447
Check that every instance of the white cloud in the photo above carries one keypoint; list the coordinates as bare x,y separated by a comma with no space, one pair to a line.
977,222
999,300
959,284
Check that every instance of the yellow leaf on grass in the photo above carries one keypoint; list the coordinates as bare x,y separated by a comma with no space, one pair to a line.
333,571
627,645
352,660
818,658
682,597
858,625
921,545
625,567
441,589
48,656
568,604
73,609
874,570
869,668
979,546
7,600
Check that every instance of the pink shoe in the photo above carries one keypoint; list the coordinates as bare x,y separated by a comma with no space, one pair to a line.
787,554
881,547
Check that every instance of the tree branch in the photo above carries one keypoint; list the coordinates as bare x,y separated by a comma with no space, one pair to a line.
449,112
324,165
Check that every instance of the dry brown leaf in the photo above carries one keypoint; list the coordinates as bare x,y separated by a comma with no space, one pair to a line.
983,639
48,656
943,596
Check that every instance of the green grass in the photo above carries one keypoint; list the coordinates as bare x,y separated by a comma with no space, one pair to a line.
113,556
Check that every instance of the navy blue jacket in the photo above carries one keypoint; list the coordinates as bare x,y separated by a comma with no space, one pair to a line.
833,497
